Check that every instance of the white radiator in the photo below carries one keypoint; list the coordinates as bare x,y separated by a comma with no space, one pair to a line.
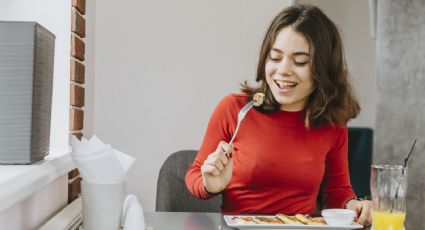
69,218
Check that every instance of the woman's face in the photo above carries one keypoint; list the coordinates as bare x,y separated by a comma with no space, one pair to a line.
288,70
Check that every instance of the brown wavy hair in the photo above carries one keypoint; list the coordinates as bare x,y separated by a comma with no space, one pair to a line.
333,100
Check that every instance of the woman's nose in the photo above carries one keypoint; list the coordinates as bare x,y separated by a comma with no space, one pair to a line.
285,67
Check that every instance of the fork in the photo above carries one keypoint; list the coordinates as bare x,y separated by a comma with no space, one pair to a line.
241,116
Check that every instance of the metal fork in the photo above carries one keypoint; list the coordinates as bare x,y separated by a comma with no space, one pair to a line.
241,116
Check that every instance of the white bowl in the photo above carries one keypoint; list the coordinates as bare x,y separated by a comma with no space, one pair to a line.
338,216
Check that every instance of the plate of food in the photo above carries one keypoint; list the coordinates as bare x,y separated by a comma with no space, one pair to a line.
281,221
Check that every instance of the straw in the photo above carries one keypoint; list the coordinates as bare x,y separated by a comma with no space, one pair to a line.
406,160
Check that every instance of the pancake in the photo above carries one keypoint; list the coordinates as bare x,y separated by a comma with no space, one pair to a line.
267,220
288,219
246,220
307,220
318,221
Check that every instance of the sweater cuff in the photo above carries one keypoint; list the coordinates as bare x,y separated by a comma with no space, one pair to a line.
354,198
210,193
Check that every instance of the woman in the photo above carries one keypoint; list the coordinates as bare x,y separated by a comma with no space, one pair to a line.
297,139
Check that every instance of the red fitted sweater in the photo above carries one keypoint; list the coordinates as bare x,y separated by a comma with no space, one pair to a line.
278,163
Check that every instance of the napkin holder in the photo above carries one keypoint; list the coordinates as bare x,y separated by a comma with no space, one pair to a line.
102,205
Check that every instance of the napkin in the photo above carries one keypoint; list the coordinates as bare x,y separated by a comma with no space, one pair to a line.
132,214
98,162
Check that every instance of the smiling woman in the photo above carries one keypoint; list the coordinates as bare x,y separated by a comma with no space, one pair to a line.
288,72
308,102
304,51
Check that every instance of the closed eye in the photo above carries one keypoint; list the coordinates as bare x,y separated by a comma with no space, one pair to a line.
300,63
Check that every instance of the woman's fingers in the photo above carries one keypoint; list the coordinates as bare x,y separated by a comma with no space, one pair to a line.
363,211
226,149
222,152
365,216
217,161
210,169
217,168
218,157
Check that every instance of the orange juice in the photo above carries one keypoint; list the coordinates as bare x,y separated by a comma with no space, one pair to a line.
385,220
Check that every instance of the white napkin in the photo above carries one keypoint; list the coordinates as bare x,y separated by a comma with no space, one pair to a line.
132,214
98,162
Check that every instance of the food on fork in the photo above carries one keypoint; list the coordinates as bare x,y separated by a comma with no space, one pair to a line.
288,219
258,99
267,220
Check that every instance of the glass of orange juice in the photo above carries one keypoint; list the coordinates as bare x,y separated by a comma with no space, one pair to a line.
388,184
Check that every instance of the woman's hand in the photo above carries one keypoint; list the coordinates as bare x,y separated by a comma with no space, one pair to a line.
217,168
363,209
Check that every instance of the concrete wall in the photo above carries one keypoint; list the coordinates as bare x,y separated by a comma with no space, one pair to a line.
400,97
162,66
352,19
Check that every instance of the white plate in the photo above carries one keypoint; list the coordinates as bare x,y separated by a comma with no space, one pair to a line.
231,223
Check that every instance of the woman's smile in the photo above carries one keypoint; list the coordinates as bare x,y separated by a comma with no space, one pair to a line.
285,85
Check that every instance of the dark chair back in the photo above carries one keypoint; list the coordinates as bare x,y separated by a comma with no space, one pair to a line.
172,194
360,147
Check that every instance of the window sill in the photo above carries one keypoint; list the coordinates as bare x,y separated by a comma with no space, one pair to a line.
18,182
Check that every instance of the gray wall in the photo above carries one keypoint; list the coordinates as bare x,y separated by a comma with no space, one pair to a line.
400,97
160,67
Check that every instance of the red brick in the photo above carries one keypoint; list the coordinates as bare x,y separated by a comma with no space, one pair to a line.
77,95
80,5
79,135
77,71
76,119
78,47
74,189
73,174
78,24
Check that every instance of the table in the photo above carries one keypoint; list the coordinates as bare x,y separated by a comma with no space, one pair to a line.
187,221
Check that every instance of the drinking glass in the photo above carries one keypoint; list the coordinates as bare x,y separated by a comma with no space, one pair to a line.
388,184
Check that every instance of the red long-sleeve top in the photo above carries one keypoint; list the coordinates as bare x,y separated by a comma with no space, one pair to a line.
278,163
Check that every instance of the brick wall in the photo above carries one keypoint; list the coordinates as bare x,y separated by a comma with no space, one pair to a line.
76,125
